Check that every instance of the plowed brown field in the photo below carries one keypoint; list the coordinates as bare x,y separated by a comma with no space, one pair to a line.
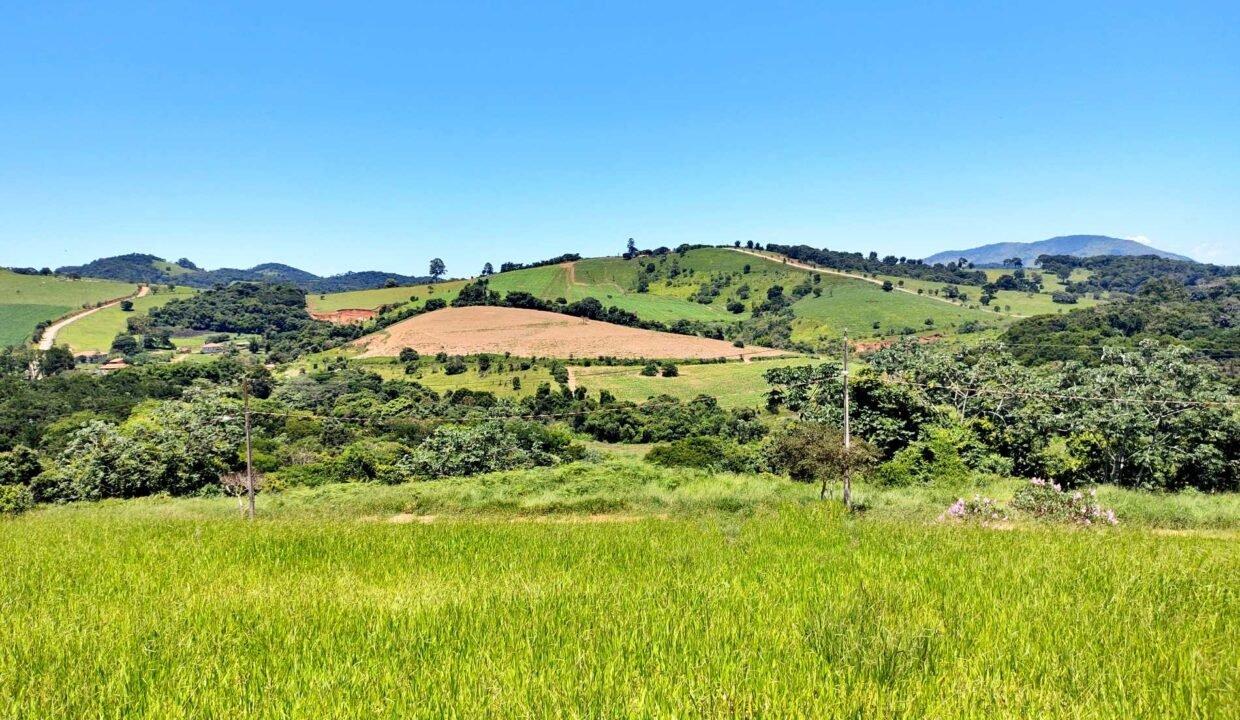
530,333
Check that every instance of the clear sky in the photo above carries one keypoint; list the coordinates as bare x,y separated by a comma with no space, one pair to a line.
375,136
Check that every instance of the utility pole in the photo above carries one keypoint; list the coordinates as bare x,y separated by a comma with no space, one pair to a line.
847,434
249,450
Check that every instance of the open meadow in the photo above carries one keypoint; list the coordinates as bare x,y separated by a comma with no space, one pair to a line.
96,331
733,384
605,591
27,300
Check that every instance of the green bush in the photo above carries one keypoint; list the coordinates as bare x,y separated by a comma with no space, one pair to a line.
943,456
487,447
707,453
15,499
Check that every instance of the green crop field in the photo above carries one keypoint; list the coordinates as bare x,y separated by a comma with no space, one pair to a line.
734,385
27,300
694,595
96,331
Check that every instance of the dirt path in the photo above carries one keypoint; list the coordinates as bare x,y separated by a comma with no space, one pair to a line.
49,335
570,272
803,266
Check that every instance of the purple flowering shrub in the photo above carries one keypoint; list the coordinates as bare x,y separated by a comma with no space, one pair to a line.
982,509
1043,499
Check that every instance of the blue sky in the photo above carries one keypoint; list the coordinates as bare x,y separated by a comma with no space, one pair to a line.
356,136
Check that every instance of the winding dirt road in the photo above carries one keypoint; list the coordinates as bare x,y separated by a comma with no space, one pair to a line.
49,335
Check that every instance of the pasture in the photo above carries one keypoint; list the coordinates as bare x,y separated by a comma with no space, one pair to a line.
96,331
602,591
413,295
498,379
27,300
856,305
733,384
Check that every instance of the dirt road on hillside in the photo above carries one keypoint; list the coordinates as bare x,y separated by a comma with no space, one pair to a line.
49,335
805,266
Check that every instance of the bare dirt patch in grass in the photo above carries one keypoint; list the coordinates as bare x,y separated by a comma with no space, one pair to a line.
534,333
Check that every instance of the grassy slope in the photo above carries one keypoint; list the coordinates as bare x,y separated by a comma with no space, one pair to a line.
1022,304
154,607
371,299
734,385
855,305
17,322
96,331
431,375
25,300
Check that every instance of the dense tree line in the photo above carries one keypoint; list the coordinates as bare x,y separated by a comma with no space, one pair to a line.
259,308
1129,273
889,265
566,257
1205,319
1145,417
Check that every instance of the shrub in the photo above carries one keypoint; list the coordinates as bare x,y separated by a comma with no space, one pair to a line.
1048,500
979,508
488,447
707,453
669,370
650,370
15,499
943,456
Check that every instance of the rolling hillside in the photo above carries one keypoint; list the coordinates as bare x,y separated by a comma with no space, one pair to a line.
27,300
699,285
143,268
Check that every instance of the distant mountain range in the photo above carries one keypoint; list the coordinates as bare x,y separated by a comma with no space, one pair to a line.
1076,245
141,268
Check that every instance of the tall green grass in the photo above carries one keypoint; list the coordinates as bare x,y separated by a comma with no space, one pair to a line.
797,612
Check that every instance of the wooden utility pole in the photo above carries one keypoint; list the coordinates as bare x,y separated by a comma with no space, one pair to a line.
249,449
847,434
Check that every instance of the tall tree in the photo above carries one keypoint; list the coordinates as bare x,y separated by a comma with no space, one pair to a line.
438,268
488,269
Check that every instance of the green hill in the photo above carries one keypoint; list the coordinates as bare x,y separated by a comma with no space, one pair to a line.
718,285
27,300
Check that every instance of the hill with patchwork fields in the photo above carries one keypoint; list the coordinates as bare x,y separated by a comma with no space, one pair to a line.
720,287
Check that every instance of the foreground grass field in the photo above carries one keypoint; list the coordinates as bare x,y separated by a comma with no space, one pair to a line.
693,595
